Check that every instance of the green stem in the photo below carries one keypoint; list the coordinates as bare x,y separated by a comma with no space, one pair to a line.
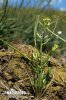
56,35
35,30
41,52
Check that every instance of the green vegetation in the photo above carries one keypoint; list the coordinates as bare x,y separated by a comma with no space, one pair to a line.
41,78
35,26
22,26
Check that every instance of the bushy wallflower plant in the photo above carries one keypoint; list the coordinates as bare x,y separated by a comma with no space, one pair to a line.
41,79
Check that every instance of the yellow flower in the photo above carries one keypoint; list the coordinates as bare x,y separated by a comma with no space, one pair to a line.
55,47
47,21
